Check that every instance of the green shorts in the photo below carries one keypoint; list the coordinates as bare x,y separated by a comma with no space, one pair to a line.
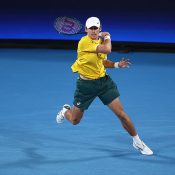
87,90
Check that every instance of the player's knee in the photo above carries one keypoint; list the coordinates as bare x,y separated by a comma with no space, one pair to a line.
75,121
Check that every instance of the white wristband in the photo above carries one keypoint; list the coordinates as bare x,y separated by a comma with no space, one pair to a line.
107,37
116,65
100,34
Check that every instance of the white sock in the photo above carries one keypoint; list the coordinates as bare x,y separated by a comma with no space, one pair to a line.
136,139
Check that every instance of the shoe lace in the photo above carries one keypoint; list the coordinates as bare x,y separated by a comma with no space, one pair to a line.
141,146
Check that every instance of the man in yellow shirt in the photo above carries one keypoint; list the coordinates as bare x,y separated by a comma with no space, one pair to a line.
94,82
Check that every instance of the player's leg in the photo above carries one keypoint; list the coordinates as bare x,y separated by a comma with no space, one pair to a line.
109,96
117,108
83,97
74,115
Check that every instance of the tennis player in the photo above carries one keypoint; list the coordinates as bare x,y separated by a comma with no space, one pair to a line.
93,81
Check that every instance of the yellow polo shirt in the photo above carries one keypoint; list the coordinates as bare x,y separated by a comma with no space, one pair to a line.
89,63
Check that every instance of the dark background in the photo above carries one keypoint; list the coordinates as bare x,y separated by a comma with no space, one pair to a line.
133,21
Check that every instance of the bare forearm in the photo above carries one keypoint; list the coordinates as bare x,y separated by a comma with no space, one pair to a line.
108,64
124,63
107,44
106,47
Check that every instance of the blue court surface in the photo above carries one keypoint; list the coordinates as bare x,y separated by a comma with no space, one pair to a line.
35,83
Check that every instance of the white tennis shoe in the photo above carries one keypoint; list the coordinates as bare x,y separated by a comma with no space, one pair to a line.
60,115
143,148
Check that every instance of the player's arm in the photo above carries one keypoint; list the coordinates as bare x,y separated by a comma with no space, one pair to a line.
108,64
106,46
123,63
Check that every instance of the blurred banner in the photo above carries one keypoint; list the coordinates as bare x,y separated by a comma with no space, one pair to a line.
133,21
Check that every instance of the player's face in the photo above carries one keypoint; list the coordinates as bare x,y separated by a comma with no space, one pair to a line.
93,32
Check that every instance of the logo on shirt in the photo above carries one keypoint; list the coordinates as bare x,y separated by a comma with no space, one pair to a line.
78,103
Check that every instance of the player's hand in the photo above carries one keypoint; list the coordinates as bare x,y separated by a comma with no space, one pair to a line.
103,34
124,63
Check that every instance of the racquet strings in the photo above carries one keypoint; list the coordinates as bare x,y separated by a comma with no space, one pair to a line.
68,25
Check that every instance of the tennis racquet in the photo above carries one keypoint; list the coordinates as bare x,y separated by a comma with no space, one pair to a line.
68,26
